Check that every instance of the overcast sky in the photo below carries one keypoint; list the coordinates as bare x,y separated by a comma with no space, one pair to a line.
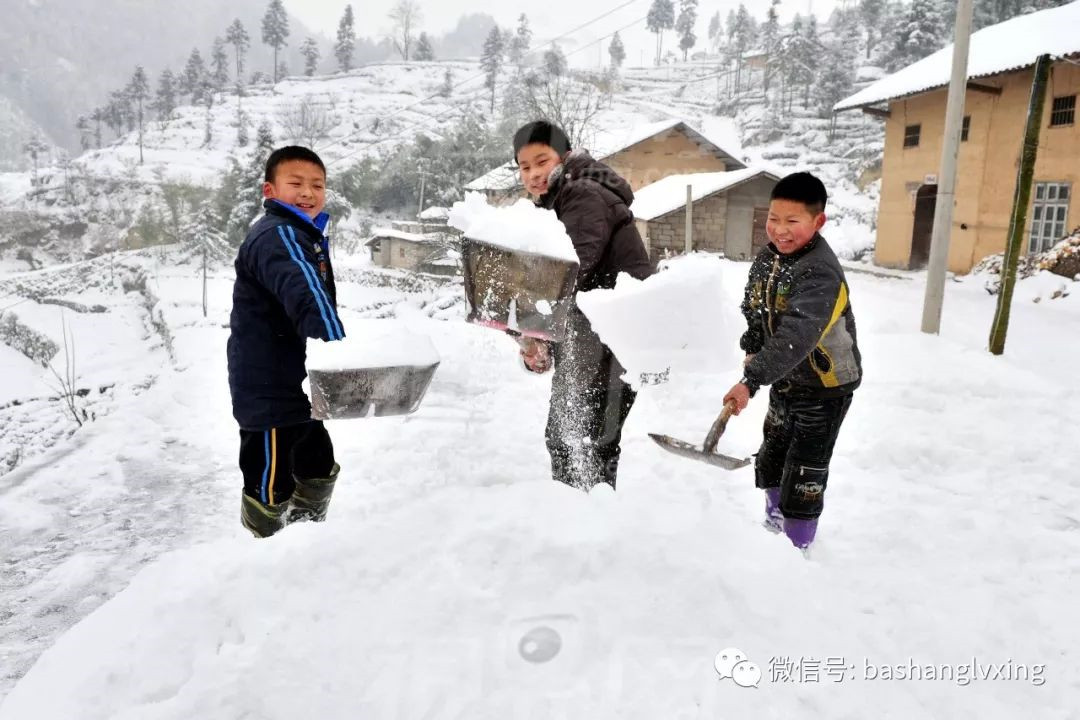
549,19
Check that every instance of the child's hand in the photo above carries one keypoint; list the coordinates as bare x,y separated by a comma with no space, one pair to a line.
740,395
535,354
747,359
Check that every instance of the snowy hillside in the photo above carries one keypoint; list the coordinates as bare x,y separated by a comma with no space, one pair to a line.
454,579
373,110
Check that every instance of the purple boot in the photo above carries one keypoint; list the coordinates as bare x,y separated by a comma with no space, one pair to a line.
774,519
800,532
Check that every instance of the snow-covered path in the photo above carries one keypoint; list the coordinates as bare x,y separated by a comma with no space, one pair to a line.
450,564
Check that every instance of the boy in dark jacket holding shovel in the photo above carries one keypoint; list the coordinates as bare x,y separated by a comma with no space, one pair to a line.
800,339
284,294
589,400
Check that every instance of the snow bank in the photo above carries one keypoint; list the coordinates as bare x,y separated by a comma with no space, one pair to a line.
451,563
372,344
521,227
681,320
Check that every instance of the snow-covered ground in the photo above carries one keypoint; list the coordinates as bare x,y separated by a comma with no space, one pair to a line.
454,579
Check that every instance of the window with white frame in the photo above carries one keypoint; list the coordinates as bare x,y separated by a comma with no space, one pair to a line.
1049,215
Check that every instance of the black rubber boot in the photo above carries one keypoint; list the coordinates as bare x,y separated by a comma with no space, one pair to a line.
262,520
311,498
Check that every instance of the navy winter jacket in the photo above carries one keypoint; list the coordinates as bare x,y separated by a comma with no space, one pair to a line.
284,294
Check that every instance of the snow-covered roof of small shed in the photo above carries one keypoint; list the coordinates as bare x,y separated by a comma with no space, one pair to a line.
1007,46
669,194
381,233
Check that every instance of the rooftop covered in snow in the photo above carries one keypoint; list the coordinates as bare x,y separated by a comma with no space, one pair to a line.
505,177
381,233
1005,47
435,213
669,194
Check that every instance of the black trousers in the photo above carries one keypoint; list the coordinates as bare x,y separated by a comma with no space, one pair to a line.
800,434
589,405
271,460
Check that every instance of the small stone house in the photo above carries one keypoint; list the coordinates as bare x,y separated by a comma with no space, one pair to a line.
400,250
729,213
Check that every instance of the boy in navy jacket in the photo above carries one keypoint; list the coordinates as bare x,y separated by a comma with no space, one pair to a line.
284,294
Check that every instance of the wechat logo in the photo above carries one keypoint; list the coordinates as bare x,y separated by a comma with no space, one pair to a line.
732,663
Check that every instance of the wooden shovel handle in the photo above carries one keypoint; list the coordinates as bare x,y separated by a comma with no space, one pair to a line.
718,427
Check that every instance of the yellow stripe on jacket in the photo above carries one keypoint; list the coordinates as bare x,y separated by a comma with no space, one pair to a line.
829,378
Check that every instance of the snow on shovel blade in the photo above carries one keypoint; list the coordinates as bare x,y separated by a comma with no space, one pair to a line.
695,452
527,293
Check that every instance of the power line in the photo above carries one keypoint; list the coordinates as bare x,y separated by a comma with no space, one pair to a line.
421,123
478,76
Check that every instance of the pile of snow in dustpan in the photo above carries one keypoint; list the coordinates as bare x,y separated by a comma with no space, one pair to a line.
520,266
380,369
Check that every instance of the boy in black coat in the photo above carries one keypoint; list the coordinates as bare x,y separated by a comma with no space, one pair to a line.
284,294
589,400
801,340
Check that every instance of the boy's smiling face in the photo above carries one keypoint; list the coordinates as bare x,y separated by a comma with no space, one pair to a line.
535,163
299,183
792,225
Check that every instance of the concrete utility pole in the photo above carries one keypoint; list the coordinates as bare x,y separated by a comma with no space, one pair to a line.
946,192
689,219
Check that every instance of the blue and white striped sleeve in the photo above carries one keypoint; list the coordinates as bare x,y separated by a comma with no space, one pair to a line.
286,268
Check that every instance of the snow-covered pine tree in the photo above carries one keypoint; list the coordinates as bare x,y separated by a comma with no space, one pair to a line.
555,61
275,31
85,129
918,35
138,90
801,58
238,37
242,191
424,51
448,83
219,66
191,80
661,17
346,40
684,26
770,42
309,49
521,41
837,75
617,51
812,57
98,116
872,16
743,34
491,62
117,112
35,148
715,31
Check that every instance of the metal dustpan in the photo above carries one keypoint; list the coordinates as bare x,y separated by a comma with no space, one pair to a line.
707,452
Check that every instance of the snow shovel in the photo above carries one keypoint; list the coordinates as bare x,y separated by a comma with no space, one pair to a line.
706,453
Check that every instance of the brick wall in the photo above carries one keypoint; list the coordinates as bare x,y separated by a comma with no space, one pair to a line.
668,233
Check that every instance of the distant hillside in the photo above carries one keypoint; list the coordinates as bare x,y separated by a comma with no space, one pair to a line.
60,58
